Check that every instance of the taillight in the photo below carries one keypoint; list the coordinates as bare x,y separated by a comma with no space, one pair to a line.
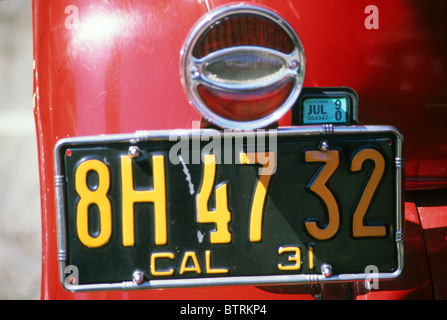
242,67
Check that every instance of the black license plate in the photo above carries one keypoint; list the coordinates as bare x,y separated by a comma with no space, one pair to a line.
199,208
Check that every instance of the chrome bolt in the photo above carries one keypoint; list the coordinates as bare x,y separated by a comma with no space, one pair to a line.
293,64
195,73
138,277
134,151
326,270
324,146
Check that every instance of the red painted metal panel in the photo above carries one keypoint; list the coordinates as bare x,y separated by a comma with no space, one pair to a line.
112,66
434,223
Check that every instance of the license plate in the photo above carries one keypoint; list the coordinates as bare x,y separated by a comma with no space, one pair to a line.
181,208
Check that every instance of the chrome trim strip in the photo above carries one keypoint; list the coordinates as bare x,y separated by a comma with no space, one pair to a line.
60,208
251,280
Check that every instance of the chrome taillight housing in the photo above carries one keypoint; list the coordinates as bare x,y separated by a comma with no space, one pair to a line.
242,66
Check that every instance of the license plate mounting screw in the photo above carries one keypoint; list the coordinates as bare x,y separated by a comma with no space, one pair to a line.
134,151
324,146
138,277
326,270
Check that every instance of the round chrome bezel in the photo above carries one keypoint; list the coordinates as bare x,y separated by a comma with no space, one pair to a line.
191,72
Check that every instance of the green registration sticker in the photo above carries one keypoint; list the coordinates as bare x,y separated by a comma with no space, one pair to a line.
337,106
327,110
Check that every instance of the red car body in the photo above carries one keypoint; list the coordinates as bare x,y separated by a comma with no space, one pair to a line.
107,67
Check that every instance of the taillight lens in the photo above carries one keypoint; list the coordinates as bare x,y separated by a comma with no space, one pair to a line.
243,29
242,67
241,106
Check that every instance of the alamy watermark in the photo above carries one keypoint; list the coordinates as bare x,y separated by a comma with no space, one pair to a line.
372,280
372,20
226,145
71,276
72,19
